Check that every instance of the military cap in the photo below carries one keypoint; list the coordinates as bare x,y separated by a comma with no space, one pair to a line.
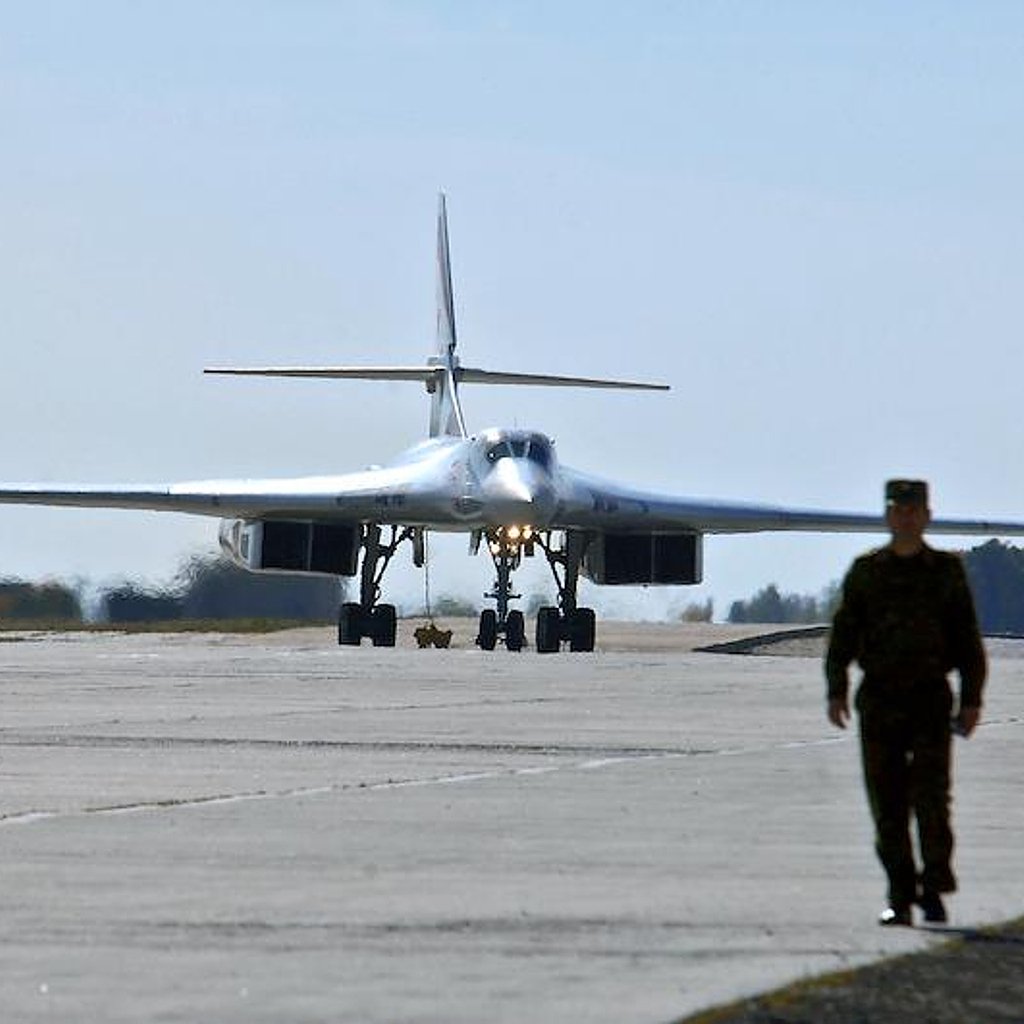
906,492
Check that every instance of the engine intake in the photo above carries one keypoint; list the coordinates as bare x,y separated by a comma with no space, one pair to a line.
615,559
280,545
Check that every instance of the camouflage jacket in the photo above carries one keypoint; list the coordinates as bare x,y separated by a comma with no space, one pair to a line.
906,620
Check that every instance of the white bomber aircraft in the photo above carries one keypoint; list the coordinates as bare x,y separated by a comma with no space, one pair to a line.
501,486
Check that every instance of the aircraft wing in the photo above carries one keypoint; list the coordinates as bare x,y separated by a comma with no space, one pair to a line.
413,494
590,503
351,497
208,497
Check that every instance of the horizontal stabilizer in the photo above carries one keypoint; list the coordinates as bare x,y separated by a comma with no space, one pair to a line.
463,375
417,373
467,375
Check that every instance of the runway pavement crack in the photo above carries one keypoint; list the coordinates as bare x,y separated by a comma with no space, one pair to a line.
606,758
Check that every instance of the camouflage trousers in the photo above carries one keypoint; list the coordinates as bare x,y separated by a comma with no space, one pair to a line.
906,747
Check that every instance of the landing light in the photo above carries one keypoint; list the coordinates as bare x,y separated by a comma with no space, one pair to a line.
515,535
510,537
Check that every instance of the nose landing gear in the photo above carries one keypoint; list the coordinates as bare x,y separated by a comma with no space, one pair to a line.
565,623
507,545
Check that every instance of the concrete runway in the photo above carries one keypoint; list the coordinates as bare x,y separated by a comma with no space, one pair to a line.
275,829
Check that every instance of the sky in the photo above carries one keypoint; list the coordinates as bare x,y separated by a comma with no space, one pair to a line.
807,218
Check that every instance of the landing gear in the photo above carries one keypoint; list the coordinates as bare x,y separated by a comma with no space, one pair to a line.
506,545
367,618
567,622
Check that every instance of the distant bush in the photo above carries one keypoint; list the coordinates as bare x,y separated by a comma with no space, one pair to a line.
39,601
214,588
210,587
995,572
698,612
131,602
769,605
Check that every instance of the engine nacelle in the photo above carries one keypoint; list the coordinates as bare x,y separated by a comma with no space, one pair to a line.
615,559
285,545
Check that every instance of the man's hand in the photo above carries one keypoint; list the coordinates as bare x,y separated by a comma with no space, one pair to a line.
839,711
967,721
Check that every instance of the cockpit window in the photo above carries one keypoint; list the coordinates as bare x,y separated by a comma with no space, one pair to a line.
497,451
540,452
521,446
536,449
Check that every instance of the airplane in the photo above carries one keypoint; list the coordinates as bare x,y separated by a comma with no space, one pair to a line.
505,488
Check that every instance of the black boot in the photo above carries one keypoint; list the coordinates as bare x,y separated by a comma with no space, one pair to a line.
934,909
896,914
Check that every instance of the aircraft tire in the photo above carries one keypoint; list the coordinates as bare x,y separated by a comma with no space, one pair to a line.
350,624
384,625
549,630
582,629
515,631
487,638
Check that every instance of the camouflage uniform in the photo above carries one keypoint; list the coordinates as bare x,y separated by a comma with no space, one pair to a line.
908,621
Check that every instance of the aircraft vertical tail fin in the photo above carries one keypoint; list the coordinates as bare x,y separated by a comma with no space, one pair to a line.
445,408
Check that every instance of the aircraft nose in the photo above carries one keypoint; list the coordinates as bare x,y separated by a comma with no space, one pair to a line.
519,491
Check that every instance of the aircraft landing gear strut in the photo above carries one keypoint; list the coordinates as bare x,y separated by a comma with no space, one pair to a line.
568,622
366,617
506,549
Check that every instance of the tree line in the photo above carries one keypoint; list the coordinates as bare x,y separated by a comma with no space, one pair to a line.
995,572
770,605
206,587
210,587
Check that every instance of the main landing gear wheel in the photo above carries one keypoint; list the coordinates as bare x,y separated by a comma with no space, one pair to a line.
384,625
566,622
549,630
366,617
350,624
379,623
578,627
582,626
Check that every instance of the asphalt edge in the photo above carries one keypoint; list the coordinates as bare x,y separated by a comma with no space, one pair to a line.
753,644
793,995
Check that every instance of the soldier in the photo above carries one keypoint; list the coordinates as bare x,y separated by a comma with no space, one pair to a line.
908,619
